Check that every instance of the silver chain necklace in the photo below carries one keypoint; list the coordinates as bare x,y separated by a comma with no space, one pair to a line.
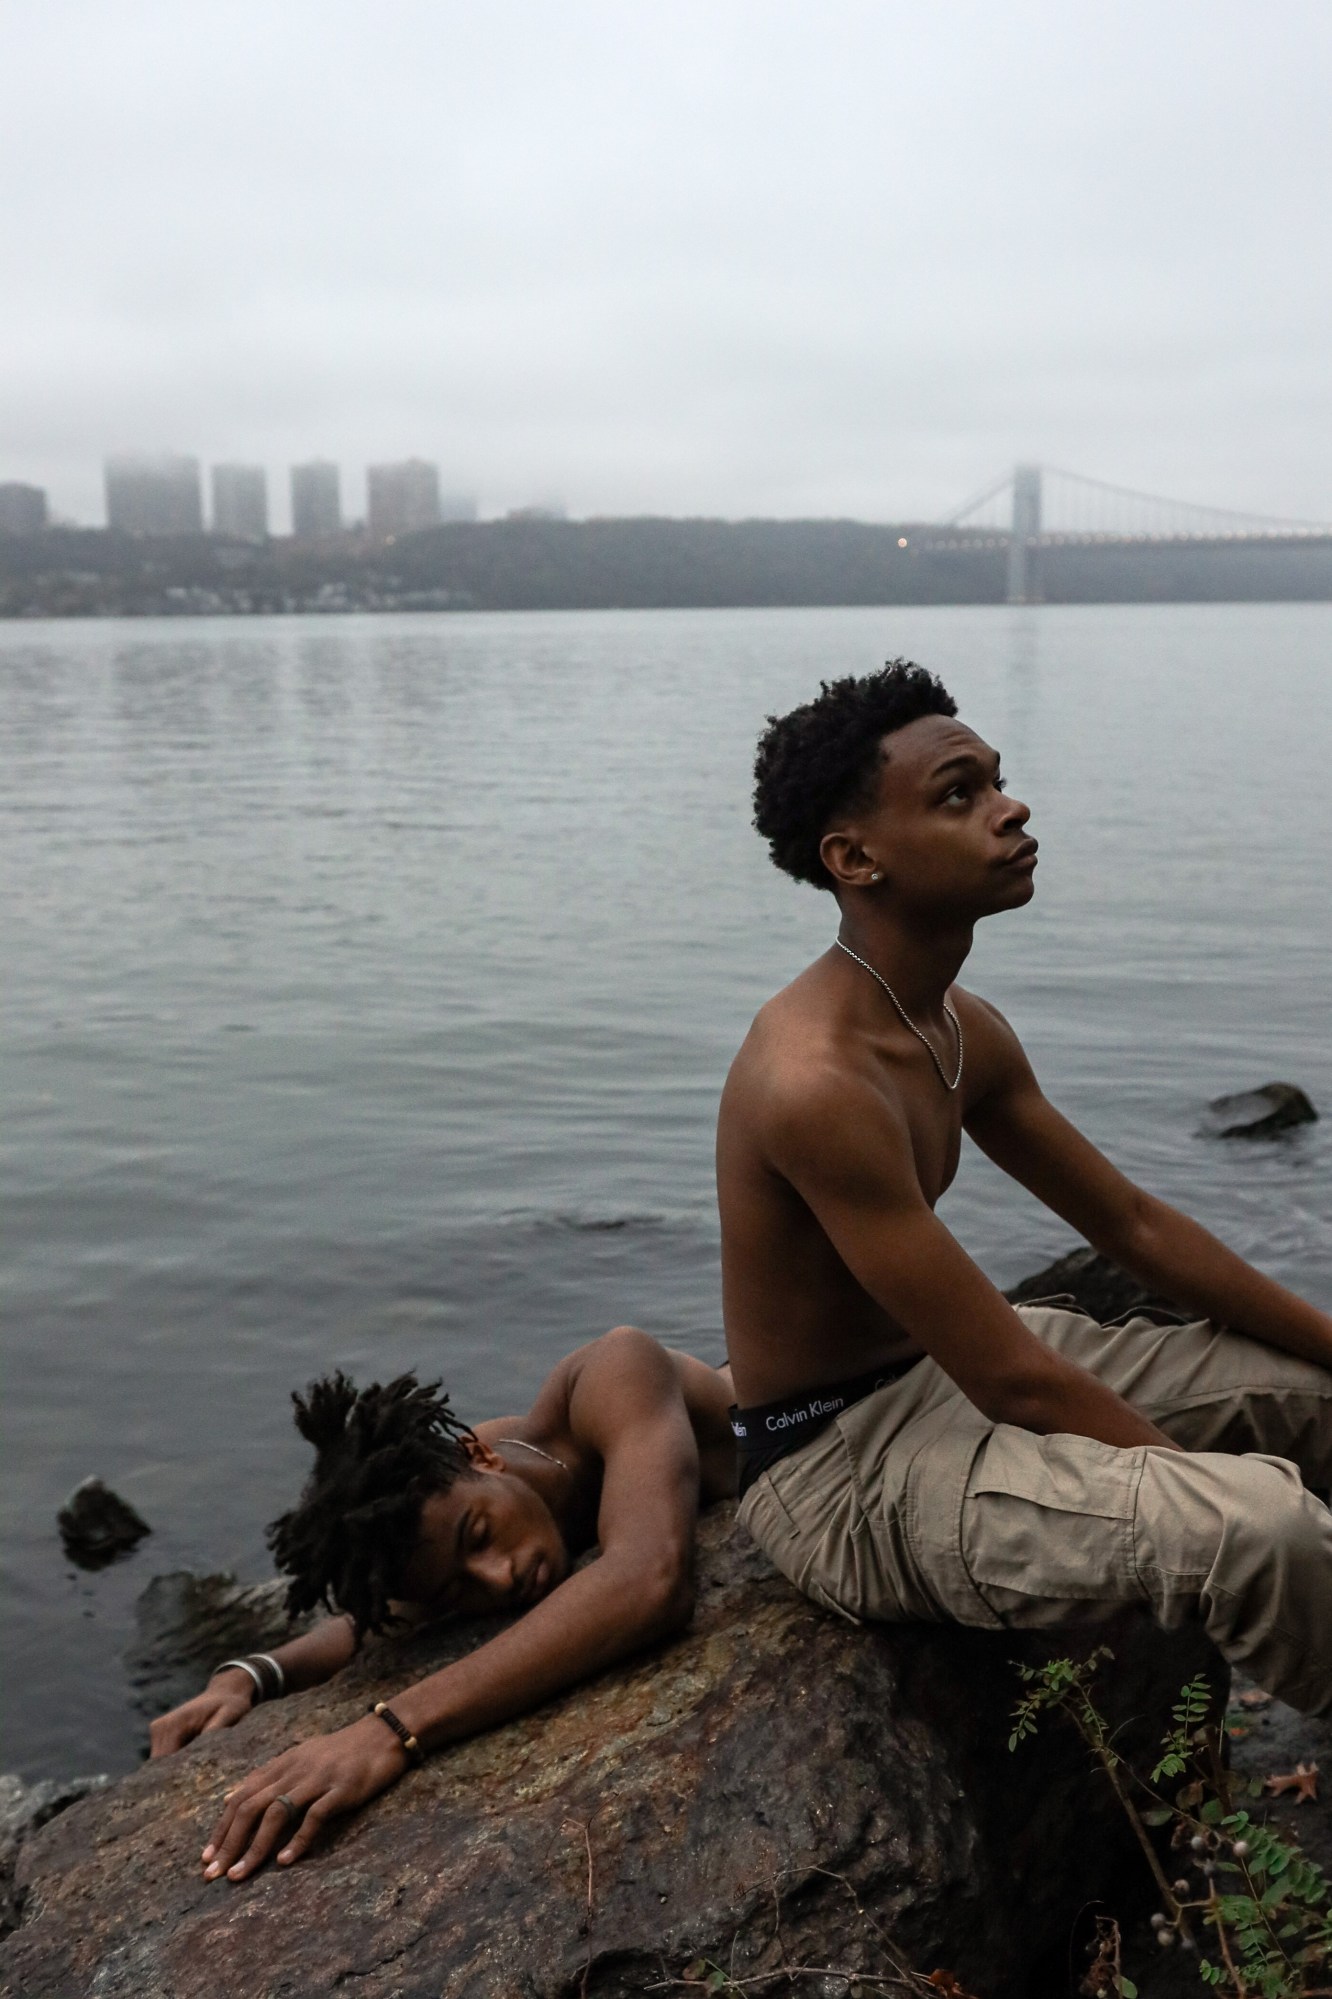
523,1445
907,1021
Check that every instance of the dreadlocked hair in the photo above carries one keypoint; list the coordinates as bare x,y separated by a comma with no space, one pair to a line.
824,757
379,1452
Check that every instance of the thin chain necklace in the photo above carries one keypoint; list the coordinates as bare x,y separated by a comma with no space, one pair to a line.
907,1021
523,1445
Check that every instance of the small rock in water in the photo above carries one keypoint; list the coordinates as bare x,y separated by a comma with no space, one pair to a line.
1259,1113
96,1525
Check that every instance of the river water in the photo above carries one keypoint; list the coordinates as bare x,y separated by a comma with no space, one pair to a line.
370,983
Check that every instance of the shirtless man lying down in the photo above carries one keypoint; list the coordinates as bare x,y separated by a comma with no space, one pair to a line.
913,1446
409,1513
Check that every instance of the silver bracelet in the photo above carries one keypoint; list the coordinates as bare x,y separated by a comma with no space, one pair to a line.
243,1666
268,1660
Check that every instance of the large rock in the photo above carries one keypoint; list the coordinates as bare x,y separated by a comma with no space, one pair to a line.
1094,1285
777,1787
24,1809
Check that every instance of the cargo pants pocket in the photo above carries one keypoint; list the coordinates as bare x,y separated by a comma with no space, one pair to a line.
1047,1528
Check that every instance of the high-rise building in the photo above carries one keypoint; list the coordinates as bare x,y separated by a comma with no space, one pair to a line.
22,508
154,495
240,501
316,506
402,498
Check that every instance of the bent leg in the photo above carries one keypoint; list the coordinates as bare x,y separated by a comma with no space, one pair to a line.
1061,1529
1206,1387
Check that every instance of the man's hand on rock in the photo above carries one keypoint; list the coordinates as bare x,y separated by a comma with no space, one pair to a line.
284,1806
226,1699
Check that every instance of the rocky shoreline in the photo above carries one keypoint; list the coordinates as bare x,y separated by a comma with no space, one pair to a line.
777,1789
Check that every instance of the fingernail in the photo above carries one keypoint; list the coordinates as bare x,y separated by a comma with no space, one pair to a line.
210,1873
285,1854
207,1853
236,1873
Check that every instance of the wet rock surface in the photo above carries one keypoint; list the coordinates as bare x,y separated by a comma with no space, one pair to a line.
185,1625
1261,1113
778,1787
97,1525
24,1809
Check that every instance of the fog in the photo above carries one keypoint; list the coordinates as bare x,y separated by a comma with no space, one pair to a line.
724,257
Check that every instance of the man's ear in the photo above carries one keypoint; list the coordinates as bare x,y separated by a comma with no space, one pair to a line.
481,1457
847,861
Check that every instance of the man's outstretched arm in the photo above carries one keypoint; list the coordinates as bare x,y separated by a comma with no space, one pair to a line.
1020,1129
306,1661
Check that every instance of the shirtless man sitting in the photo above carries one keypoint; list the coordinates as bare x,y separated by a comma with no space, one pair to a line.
411,1515
913,1446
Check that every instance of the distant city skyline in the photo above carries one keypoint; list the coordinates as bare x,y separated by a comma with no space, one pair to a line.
164,493
765,259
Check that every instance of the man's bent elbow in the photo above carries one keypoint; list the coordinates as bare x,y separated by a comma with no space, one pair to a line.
665,1600
1026,1402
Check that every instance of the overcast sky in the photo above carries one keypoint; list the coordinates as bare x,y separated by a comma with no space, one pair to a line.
729,257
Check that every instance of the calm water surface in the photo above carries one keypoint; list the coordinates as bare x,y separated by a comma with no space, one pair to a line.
370,984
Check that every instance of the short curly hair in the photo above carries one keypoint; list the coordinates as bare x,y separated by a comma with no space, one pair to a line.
379,1452
824,757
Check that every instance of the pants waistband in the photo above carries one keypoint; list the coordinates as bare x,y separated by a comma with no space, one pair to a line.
769,1431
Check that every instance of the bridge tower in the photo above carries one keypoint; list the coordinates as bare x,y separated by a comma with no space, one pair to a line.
1023,583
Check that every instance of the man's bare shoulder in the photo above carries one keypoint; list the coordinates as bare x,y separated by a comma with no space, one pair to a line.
619,1376
792,1047
995,1057
798,1081
616,1375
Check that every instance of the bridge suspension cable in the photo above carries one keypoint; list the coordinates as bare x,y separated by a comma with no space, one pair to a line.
1072,504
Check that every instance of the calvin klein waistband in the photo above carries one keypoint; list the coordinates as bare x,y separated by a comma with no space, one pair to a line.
772,1430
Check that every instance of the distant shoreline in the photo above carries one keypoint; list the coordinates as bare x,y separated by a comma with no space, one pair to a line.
632,564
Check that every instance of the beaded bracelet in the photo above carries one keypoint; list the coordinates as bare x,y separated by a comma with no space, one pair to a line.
409,1742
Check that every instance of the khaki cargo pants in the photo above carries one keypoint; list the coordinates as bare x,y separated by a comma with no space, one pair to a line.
912,1506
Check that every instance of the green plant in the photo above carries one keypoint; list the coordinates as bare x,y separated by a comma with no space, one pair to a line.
1260,1898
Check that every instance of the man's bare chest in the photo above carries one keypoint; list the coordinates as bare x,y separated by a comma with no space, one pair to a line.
935,1131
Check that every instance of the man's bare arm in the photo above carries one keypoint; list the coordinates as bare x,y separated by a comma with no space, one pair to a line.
1020,1129
306,1661
848,1154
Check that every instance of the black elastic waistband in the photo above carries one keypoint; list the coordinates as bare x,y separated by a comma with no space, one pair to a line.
772,1430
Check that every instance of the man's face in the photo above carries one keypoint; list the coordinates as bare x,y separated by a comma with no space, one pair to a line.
942,831
489,1543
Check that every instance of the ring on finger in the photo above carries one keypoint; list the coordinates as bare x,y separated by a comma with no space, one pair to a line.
289,1806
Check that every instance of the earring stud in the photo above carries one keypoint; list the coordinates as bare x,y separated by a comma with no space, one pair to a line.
876,876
